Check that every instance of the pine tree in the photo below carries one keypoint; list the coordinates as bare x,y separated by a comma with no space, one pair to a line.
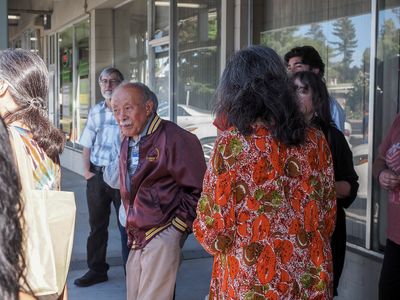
316,33
345,31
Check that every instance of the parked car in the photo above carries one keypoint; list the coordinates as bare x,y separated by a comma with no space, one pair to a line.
206,133
196,121
187,115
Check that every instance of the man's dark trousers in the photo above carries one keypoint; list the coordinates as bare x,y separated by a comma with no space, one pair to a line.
99,198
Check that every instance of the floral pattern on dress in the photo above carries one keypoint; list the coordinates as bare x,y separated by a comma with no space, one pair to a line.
266,214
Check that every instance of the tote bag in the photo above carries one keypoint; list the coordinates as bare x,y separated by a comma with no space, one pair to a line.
49,222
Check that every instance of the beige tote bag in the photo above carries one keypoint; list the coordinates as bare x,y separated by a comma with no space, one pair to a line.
49,222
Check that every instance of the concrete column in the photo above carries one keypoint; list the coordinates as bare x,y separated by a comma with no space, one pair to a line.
3,24
241,28
227,31
101,46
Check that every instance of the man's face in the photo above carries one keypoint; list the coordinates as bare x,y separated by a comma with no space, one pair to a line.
295,64
108,83
130,110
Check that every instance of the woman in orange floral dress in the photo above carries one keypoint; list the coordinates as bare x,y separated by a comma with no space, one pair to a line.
268,205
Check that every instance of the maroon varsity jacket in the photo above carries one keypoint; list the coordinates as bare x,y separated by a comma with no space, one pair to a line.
167,182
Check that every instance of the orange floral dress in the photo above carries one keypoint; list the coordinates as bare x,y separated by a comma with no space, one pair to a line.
266,214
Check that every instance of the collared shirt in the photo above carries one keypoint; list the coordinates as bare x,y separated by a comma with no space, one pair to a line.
133,153
100,134
338,114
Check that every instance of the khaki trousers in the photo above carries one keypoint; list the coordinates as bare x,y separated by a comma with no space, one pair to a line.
151,271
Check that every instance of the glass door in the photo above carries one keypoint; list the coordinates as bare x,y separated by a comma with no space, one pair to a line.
387,102
159,56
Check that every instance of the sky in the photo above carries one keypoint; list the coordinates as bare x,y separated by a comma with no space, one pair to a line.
362,24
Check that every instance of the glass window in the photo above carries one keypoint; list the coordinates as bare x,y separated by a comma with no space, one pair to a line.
145,57
159,79
387,100
337,29
161,19
74,91
139,58
66,85
33,40
198,65
82,76
130,36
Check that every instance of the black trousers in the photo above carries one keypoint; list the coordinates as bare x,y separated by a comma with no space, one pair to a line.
389,282
99,198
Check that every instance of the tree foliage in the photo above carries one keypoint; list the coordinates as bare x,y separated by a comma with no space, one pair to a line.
388,45
345,31
357,101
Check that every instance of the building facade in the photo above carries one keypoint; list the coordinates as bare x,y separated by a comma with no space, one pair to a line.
179,48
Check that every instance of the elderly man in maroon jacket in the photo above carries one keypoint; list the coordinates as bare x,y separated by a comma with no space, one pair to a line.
161,173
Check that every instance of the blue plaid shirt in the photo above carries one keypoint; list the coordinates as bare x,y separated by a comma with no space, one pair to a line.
133,154
100,134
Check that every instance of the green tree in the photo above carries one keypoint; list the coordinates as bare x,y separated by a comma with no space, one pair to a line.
388,45
316,38
281,40
316,32
345,31
357,99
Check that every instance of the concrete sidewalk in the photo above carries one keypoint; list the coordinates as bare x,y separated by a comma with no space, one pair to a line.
194,273
359,280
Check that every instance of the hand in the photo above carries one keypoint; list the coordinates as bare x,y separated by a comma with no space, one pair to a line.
88,174
389,180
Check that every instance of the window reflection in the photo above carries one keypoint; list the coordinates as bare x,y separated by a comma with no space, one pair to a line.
344,46
74,97
161,20
83,84
145,57
198,27
66,92
387,100
130,46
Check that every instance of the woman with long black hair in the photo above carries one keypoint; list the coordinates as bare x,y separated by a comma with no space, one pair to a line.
268,206
313,98
24,88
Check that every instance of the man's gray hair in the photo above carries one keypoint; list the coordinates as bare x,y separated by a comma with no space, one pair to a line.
111,70
147,93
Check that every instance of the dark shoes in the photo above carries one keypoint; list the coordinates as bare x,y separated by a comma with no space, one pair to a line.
90,278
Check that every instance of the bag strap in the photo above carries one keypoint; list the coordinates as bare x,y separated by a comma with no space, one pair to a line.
22,161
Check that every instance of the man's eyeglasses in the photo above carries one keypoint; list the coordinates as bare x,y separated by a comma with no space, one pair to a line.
105,82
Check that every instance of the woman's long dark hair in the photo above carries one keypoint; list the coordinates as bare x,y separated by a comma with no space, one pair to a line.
11,238
320,99
255,87
28,84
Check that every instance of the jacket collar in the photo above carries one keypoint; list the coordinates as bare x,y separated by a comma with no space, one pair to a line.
153,124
